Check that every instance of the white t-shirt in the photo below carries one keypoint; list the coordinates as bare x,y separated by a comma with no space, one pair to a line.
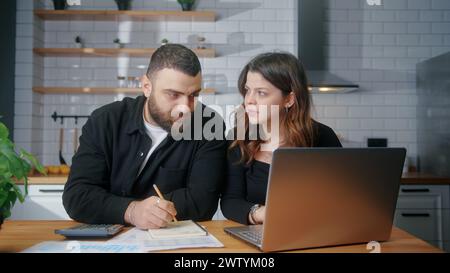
157,135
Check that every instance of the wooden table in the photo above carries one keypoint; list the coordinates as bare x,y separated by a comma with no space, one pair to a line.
16,236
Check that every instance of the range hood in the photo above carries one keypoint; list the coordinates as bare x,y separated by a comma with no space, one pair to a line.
311,41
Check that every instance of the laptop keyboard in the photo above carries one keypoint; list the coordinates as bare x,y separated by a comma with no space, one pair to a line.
254,235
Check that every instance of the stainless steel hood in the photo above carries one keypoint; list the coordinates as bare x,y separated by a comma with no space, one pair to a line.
311,49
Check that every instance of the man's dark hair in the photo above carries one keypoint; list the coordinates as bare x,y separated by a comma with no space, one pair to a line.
176,57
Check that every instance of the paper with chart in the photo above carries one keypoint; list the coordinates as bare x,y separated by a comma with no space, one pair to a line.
180,229
84,247
152,244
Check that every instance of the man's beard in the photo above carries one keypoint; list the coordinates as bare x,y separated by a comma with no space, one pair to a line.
164,121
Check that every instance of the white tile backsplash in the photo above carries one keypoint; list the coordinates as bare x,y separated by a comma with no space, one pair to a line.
375,47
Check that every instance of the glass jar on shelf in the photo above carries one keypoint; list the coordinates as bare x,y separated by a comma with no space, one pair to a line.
137,81
122,81
130,82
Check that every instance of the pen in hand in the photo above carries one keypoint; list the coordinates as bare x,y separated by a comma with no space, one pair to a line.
162,198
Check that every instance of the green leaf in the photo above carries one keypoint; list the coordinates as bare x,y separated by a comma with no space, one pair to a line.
4,133
33,161
18,193
6,214
4,164
12,197
15,162
25,185
3,197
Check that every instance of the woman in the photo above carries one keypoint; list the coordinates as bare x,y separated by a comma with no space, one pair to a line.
270,81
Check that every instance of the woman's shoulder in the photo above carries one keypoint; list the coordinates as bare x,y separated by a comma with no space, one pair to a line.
324,136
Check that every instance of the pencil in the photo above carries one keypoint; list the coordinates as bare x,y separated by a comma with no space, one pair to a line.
162,198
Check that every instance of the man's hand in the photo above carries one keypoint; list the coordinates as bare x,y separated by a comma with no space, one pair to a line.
152,212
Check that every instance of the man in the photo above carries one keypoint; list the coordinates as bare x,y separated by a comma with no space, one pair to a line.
127,146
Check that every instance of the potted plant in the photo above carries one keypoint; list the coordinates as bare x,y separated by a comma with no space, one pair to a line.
201,42
164,41
123,4
186,5
119,43
59,4
79,42
13,167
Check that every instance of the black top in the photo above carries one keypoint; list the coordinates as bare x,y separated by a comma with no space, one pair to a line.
247,184
104,174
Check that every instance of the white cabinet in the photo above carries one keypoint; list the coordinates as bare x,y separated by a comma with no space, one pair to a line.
423,210
44,202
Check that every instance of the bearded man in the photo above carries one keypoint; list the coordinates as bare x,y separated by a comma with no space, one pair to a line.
126,147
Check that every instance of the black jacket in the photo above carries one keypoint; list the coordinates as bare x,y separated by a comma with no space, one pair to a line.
104,174
247,184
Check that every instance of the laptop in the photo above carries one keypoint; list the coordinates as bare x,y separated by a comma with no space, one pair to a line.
319,197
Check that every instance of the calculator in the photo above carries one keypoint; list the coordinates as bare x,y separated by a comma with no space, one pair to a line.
89,231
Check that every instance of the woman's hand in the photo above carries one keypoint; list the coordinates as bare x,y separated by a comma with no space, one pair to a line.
260,215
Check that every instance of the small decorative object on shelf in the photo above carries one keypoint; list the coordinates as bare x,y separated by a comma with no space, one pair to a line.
201,42
123,4
79,42
122,81
74,2
133,82
118,43
59,4
164,41
186,5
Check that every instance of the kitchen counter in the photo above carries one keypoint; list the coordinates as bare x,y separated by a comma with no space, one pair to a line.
423,178
46,180
407,179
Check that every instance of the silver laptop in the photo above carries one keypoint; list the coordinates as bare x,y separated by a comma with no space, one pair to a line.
319,197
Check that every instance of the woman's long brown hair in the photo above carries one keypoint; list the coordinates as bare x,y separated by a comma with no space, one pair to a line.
285,72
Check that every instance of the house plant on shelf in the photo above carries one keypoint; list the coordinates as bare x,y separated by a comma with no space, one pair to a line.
164,41
186,5
79,42
59,4
123,4
118,43
13,167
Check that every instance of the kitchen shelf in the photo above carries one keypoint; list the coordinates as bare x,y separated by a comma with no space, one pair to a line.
112,52
174,15
97,90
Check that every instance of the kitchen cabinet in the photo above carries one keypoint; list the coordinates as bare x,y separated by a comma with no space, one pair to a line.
44,202
424,211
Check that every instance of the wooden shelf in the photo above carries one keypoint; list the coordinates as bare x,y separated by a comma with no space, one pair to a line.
112,52
174,15
97,90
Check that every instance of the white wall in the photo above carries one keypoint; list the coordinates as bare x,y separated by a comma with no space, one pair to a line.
378,48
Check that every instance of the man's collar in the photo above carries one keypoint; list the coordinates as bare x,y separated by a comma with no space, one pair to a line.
136,122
